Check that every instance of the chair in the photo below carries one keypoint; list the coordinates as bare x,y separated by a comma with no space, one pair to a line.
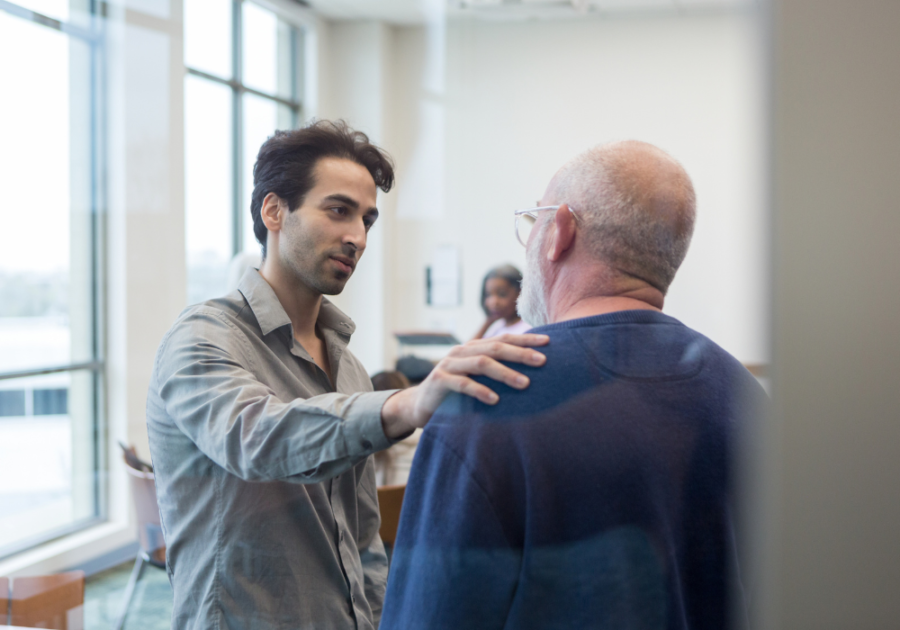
759,370
45,601
4,601
390,500
150,539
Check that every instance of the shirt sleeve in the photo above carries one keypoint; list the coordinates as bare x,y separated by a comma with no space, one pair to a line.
452,565
205,384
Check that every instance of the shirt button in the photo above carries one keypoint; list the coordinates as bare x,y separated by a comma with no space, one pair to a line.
366,444
353,598
342,536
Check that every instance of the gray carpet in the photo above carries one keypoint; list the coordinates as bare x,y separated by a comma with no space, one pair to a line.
151,604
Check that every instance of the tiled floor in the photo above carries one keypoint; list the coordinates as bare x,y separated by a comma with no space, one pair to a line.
151,605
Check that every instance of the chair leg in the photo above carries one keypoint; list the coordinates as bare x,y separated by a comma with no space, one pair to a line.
129,590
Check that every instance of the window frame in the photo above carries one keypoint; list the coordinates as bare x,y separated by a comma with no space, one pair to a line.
91,35
238,89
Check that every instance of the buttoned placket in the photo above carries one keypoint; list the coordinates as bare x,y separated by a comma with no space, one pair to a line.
297,349
347,558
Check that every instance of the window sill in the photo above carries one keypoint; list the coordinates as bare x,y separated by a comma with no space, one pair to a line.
78,550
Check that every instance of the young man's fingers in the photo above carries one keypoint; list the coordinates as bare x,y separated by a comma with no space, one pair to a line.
485,366
524,339
500,351
465,385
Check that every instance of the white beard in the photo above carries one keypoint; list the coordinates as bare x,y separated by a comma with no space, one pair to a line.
532,302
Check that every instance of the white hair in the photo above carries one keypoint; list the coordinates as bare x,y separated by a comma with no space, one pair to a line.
638,207
532,303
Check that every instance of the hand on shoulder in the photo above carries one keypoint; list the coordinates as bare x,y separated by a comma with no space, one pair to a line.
411,408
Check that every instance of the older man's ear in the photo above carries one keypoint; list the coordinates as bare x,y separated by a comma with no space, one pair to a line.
563,233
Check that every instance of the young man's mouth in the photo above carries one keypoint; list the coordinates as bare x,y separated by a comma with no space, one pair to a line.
344,263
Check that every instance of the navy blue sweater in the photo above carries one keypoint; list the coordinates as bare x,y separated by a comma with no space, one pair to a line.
599,497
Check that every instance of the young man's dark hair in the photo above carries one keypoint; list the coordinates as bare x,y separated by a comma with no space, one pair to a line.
286,161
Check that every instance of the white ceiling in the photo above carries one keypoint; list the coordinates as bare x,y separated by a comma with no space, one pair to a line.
420,11
394,11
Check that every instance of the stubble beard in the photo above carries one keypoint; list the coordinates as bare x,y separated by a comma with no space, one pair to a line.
324,278
532,302
312,268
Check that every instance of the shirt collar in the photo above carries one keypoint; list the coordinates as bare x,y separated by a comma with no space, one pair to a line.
330,316
270,314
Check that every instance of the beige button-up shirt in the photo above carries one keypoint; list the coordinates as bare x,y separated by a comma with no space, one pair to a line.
265,488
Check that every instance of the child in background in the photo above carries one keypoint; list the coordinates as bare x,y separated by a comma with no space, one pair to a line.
499,293
392,465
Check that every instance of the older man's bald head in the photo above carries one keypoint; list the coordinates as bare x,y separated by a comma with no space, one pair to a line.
638,207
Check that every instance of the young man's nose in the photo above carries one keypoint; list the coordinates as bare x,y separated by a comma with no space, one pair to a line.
356,237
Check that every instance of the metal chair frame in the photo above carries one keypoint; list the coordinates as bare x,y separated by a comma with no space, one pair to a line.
149,534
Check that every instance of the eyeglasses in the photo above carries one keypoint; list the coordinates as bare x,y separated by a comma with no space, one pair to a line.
525,220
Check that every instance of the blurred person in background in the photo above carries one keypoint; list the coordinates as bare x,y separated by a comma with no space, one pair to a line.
499,292
392,465
603,495
384,381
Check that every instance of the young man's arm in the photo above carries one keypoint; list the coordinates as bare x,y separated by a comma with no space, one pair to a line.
203,381
206,383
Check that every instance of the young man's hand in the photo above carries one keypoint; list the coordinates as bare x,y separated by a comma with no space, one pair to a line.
411,408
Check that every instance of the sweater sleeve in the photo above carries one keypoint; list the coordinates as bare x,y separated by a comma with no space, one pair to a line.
452,566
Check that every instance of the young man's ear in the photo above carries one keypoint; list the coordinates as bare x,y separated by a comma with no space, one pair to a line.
563,236
272,212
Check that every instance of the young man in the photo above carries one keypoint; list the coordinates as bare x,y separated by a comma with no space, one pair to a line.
600,497
261,421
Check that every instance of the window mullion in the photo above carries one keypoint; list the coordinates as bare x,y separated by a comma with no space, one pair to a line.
98,258
237,126
88,35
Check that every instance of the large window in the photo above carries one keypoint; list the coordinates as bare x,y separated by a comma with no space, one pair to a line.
50,367
243,82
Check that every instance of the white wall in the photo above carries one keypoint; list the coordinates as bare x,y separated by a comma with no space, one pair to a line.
479,115
519,99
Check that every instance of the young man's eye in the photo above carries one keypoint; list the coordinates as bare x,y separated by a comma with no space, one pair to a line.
339,210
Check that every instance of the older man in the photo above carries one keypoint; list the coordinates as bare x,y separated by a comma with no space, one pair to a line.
600,496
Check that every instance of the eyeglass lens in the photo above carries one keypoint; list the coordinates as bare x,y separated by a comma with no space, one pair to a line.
524,223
